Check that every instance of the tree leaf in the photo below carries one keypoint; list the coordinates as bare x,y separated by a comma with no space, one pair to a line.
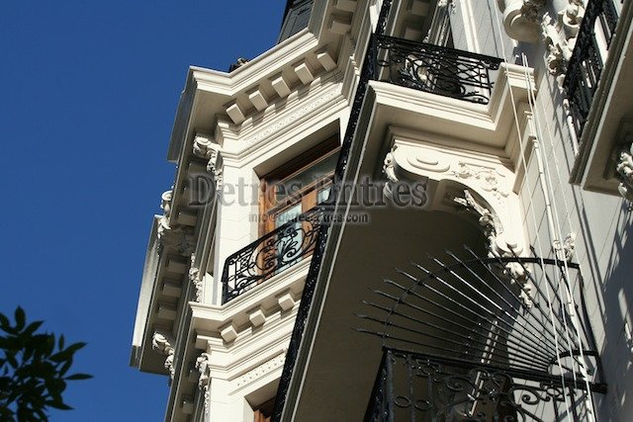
74,347
32,327
58,405
20,318
78,376
4,321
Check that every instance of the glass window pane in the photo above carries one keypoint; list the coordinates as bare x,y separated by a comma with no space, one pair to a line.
323,194
306,177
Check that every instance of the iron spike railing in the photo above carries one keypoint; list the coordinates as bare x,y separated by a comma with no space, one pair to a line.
467,312
585,66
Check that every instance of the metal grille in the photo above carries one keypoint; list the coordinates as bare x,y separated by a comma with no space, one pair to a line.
502,321
439,70
270,254
585,66
417,387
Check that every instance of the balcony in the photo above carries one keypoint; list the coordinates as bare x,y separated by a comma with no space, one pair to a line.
417,387
439,70
587,62
271,254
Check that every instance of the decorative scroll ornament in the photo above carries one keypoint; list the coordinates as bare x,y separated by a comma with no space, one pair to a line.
624,168
194,273
531,10
488,179
389,168
565,250
493,230
161,344
559,35
206,149
174,236
521,18
204,382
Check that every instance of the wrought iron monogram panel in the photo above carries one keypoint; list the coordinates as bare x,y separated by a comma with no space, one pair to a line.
270,254
585,66
439,70
418,387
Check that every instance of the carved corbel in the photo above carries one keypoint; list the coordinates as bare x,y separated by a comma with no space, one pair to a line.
521,18
389,169
205,148
163,345
204,382
624,169
194,273
559,34
180,238
514,272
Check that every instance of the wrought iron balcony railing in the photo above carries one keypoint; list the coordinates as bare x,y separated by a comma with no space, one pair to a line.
417,387
431,68
270,254
585,66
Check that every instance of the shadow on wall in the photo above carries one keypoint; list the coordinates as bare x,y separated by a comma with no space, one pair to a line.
617,296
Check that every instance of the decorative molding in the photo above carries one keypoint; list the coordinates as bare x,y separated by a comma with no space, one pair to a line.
565,250
487,178
261,370
297,114
205,148
163,345
194,273
531,10
178,237
493,230
389,169
624,169
203,365
559,35
521,18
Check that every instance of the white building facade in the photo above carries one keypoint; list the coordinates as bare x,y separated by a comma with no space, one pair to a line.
405,210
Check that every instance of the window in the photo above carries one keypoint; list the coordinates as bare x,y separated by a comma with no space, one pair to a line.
297,186
264,412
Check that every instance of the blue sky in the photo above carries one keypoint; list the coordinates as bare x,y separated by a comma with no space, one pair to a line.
89,91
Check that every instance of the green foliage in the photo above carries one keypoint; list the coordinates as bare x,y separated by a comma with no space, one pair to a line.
33,370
